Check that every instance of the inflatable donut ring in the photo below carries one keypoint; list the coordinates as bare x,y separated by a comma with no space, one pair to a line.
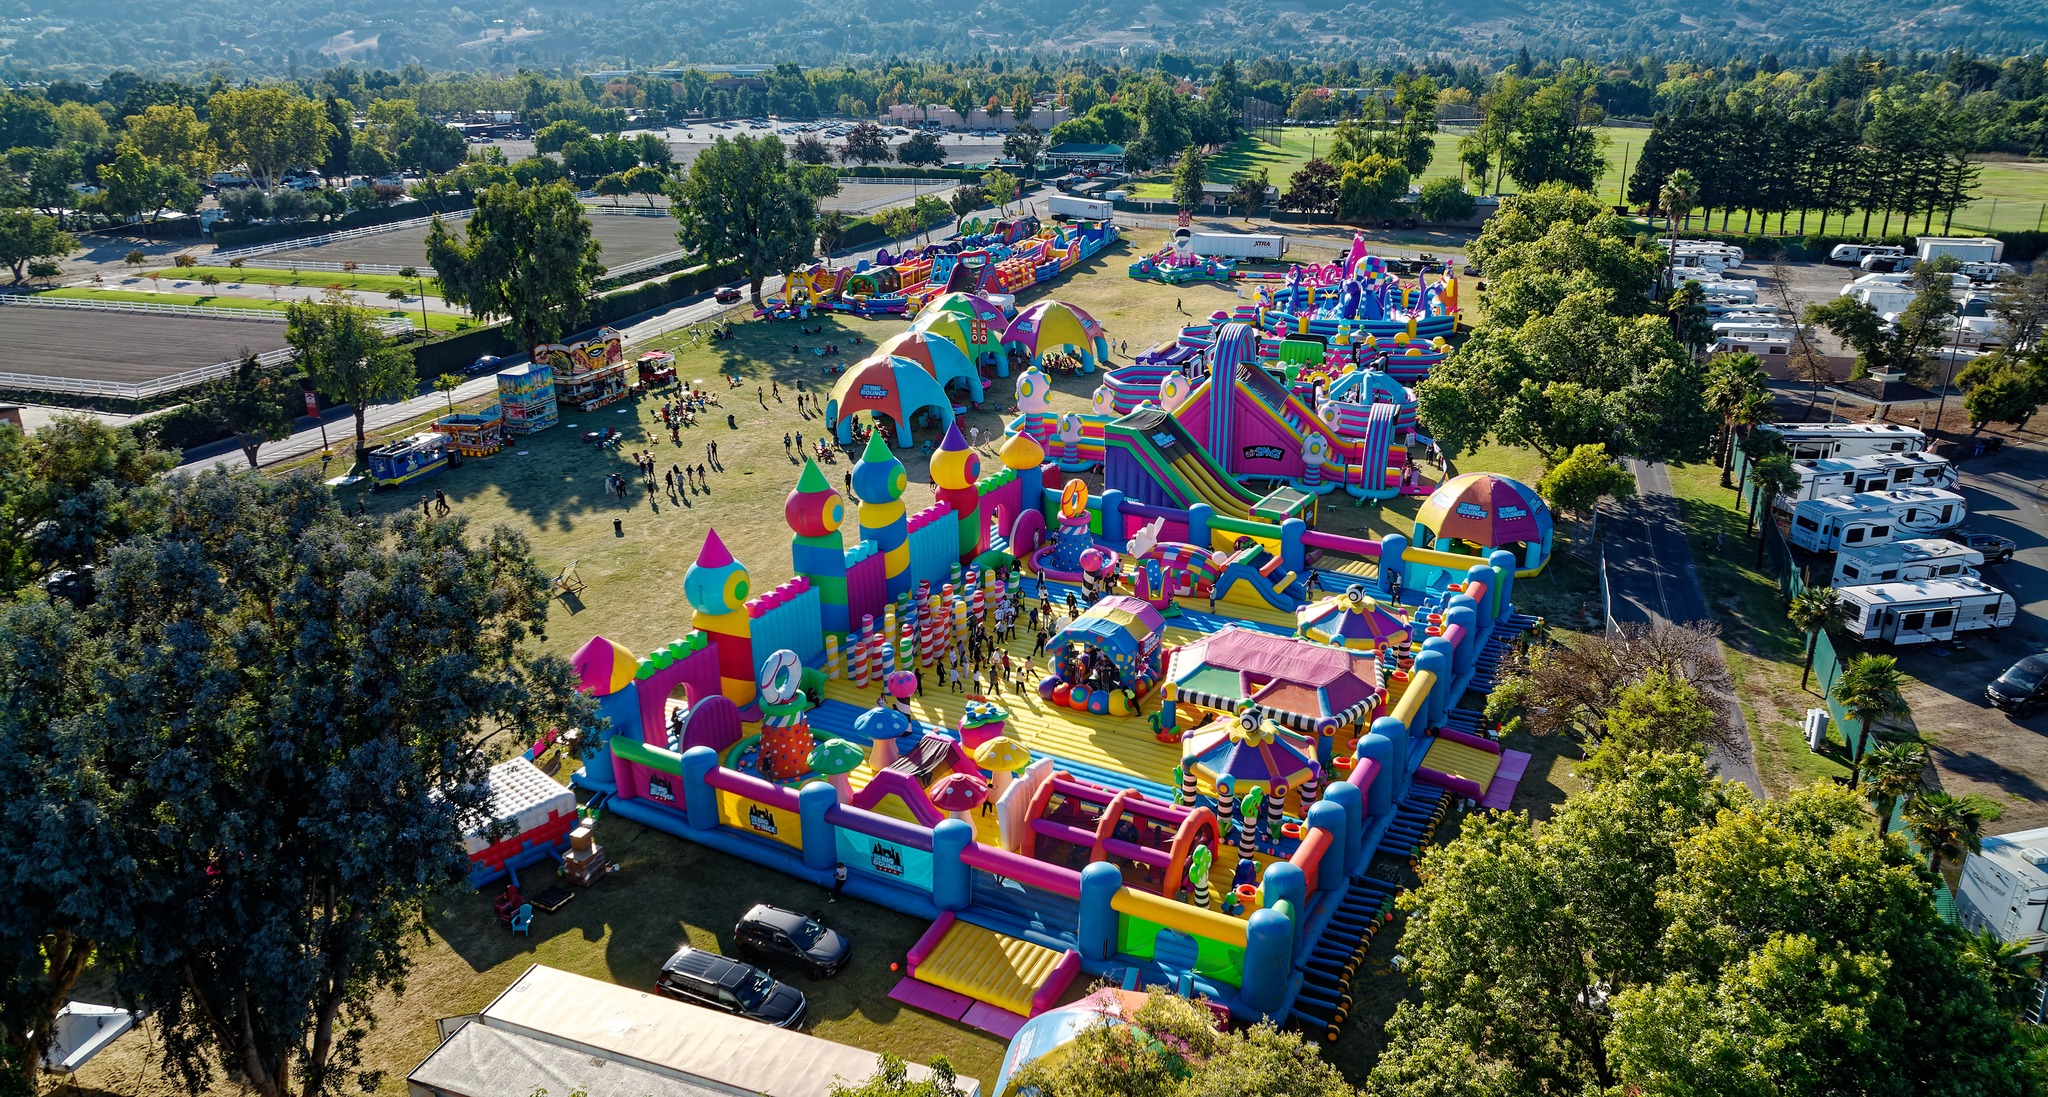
1074,499
781,677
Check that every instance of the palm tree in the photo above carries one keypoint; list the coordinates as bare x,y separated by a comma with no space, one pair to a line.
2004,965
1870,689
1675,198
1813,611
1945,826
1733,381
1892,774
1771,477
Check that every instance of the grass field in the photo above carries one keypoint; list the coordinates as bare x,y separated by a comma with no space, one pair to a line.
269,276
436,321
550,488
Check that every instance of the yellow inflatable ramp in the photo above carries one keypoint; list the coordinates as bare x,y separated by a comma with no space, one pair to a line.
1458,760
1002,971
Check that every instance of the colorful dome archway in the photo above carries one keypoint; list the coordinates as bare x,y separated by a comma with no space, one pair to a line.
1477,512
1056,325
893,388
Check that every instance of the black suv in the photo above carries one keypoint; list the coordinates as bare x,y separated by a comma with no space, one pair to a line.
715,982
1996,549
2022,688
787,935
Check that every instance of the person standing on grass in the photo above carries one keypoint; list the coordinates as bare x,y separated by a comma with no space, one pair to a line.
838,881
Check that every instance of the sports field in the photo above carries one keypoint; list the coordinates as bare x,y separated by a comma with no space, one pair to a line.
127,346
627,238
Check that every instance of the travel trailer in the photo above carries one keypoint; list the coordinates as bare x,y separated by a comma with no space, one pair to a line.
1919,558
1924,611
1755,339
2005,889
1825,476
1873,518
1813,440
1848,255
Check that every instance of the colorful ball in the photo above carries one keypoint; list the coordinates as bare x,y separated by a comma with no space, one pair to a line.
901,684
1047,687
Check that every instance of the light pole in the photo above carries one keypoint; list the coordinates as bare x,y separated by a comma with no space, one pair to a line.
1954,348
423,304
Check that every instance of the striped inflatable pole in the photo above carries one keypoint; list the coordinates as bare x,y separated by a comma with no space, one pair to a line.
862,652
1310,790
857,661
1201,896
975,606
831,656
1248,832
1226,805
1188,792
1272,810
906,643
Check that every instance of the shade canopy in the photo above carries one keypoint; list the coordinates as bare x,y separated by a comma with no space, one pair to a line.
1352,619
1486,509
1050,325
940,357
893,388
1260,755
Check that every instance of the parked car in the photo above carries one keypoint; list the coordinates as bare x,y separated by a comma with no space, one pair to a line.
716,982
797,938
486,364
1996,549
2020,689
727,295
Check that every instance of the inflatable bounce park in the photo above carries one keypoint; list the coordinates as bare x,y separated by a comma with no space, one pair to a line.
1188,793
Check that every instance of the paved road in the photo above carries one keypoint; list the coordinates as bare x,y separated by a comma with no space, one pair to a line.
1651,578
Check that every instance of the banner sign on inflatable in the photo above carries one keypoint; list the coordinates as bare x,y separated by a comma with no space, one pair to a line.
759,819
877,857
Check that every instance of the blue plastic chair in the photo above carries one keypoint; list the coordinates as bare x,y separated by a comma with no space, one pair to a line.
522,922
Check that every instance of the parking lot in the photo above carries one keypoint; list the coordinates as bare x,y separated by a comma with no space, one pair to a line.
687,141
126,346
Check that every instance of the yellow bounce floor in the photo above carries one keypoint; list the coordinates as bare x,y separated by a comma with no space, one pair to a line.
1459,760
989,967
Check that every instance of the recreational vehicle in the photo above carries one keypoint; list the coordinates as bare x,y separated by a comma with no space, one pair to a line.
1825,476
1755,339
1921,611
2005,889
1813,440
1919,558
1873,518
1848,255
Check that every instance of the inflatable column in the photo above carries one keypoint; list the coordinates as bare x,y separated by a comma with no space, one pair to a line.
955,469
879,480
814,512
716,586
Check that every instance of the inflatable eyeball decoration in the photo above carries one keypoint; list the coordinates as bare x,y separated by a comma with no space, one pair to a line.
1105,401
1315,450
1248,720
1173,391
1070,427
1033,391
781,676
1355,593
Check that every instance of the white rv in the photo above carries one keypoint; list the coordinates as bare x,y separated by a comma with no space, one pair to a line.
1922,611
1825,476
1848,255
1919,558
1813,440
2005,889
1763,338
1873,518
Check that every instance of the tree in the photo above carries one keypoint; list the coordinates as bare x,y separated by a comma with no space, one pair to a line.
965,199
1023,144
1187,179
611,186
812,149
270,959
923,148
1769,478
1691,324
1946,827
743,202
1170,1047
2005,966
446,384
1893,774
1813,611
136,185
268,128
248,403
1586,475
897,221
1571,687
832,226
26,236
1675,200
1732,379
347,358
526,254
1659,713
891,1079
2003,388
173,134
1001,188
70,490
555,136
1249,193
1371,188
646,181
1312,188
1871,688
1444,200
865,144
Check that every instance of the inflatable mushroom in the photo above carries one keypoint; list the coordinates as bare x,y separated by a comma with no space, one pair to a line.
833,759
958,794
881,727
1002,756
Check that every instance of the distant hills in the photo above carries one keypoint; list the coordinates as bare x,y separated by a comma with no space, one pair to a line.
90,37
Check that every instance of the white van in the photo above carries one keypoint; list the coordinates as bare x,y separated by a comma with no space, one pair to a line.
1848,255
1925,610
1905,561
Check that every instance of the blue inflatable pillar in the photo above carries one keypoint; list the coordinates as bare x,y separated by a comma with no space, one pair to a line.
949,872
1330,875
1393,551
1379,799
1095,926
1198,524
1268,959
1346,798
1464,612
1436,659
1293,556
700,800
1031,490
1503,563
821,838
1396,774
1284,881
623,710
1113,517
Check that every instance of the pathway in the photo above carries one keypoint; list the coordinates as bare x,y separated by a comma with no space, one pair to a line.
1652,577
